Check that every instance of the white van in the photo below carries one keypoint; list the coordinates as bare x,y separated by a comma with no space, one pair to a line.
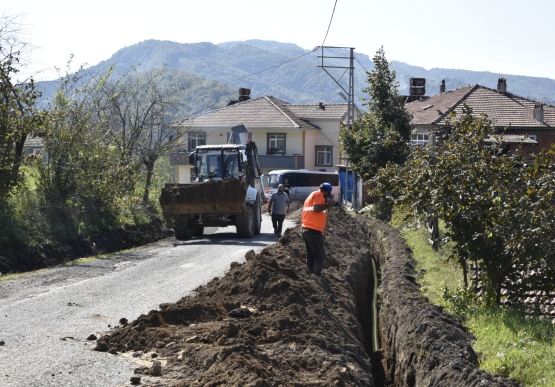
301,182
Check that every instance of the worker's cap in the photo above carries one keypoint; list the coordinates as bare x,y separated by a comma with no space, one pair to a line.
326,186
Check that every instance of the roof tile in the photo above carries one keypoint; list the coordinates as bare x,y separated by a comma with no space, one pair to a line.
263,112
504,109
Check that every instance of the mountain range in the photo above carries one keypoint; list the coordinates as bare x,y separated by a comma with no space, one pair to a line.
227,66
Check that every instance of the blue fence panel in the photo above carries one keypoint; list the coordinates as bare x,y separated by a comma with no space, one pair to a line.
351,183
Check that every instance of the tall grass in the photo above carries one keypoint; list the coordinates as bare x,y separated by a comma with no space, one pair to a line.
508,342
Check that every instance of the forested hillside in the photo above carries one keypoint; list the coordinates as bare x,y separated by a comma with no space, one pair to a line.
300,81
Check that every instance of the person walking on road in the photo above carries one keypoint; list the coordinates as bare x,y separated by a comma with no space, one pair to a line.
278,207
314,221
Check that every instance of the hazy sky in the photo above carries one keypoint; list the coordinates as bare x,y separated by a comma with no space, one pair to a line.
500,36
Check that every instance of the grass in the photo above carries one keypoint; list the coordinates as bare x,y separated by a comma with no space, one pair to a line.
513,346
508,343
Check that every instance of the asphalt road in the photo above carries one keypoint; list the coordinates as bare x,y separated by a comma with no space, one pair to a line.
46,316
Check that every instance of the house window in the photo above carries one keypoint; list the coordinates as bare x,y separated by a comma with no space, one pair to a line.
323,155
533,137
196,139
276,142
419,139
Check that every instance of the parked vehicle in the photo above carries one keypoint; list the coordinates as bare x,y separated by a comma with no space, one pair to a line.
227,190
301,182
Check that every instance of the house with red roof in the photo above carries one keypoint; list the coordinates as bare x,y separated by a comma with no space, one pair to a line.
520,121
288,136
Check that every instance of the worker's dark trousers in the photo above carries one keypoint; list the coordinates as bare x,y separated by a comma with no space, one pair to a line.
277,222
315,251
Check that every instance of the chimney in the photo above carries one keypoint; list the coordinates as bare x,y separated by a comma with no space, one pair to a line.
538,111
442,87
502,85
244,94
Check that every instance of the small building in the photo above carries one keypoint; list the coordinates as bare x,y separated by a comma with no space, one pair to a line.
521,122
34,147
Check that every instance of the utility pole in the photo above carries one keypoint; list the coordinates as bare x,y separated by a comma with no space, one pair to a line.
350,91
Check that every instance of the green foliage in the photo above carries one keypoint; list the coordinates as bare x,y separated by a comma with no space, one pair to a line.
382,134
497,209
458,301
19,119
508,342
83,180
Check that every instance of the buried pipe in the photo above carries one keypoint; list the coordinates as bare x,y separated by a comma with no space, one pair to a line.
374,306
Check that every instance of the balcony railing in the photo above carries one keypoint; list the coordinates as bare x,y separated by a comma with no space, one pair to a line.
282,162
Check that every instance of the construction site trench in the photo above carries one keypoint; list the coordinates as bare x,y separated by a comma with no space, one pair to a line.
267,322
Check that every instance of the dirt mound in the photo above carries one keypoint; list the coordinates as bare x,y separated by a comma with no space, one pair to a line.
266,323
293,209
22,258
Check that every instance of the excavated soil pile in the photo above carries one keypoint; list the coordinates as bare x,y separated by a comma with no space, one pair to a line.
267,322
293,207
22,258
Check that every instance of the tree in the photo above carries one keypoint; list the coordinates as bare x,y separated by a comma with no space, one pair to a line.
82,181
498,210
11,42
382,134
137,110
19,119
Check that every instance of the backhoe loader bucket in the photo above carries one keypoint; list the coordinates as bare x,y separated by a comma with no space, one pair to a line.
220,197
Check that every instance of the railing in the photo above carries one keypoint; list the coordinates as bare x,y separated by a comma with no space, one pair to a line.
282,162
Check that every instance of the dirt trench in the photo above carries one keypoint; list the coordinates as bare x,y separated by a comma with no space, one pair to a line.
268,322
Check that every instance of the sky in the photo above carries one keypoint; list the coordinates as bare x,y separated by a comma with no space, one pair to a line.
501,36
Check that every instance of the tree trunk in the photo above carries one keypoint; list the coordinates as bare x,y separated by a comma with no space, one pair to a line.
149,172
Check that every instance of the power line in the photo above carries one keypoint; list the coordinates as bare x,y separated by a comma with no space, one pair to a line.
273,67
365,69
329,25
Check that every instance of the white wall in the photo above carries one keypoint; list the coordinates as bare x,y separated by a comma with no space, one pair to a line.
328,135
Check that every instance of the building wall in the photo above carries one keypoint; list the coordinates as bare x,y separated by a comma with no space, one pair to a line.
328,135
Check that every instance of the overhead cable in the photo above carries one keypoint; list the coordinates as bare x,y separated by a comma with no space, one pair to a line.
273,67
329,25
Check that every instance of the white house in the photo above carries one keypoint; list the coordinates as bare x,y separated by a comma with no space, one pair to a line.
288,136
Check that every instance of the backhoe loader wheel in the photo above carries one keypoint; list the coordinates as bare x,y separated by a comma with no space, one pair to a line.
198,230
245,224
257,216
181,228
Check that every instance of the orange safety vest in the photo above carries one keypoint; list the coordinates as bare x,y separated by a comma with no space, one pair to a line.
311,219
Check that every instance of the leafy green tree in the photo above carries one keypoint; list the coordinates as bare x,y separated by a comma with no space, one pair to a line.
19,119
82,181
498,210
382,134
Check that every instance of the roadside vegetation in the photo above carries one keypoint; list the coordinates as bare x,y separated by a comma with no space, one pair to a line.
490,260
107,139
509,342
